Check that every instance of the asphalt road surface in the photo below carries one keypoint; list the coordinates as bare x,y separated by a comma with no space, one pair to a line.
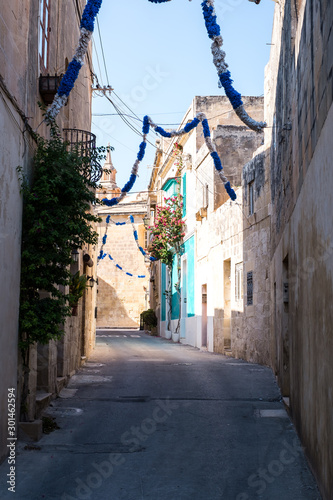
147,419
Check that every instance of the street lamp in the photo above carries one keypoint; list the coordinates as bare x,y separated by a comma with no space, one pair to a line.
75,255
146,221
91,281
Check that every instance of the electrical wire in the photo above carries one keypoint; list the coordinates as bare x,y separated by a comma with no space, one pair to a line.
173,124
98,63
103,55
127,122
124,103
124,145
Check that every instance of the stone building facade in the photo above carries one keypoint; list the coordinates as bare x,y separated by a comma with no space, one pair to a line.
215,231
121,298
221,232
263,265
299,112
37,38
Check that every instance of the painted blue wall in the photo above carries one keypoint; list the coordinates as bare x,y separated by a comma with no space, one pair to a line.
189,251
175,295
163,288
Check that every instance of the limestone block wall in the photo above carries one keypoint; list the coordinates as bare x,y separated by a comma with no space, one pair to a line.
122,298
19,93
300,112
252,341
219,112
235,145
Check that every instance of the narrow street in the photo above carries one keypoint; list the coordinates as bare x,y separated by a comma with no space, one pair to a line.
149,419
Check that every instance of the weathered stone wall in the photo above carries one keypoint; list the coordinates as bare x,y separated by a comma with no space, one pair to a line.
122,298
251,330
301,114
19,93
219,112
235,145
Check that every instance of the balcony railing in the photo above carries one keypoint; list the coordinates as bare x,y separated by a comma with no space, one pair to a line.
84,143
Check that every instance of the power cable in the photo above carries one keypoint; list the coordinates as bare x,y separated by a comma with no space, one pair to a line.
124,103
127,122
98,63
103,55
174,124
124,145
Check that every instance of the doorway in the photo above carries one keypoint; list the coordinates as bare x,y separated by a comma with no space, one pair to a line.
183,299
227,304
204,316
285,330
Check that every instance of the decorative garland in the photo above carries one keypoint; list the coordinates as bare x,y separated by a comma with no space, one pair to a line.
235,98
213,29
147,122
101,257
201,117
135,234
134,172
67,83
102,254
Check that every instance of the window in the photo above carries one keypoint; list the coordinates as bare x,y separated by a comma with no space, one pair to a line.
239,282
251,197
44,32
250,288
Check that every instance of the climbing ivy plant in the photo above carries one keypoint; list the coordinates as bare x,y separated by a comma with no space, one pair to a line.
56,218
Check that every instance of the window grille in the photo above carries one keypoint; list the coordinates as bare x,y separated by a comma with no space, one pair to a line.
250,288
251,197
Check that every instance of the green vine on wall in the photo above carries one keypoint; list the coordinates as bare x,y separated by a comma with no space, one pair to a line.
56,218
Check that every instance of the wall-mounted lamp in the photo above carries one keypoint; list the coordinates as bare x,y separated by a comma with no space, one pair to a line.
146,221
75,255
91,281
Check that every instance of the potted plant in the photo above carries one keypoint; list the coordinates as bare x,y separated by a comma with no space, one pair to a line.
76,290
149,320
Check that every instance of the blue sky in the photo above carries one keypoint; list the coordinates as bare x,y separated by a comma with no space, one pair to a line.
157,58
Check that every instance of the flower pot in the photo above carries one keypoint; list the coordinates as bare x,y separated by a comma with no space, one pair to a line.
74,310
175,337
168,334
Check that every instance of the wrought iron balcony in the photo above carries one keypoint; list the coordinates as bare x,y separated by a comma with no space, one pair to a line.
84,143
